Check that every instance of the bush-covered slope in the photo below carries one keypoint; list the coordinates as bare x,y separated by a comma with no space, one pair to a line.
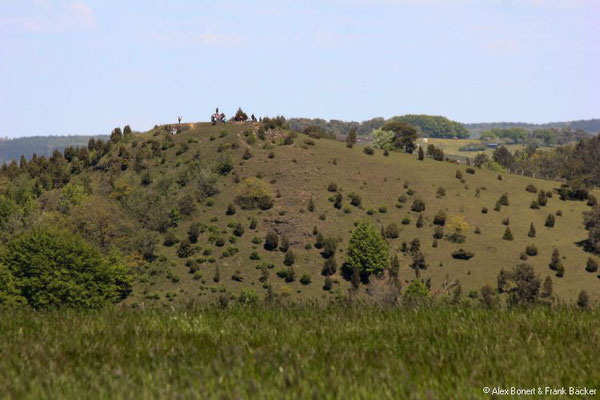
190,214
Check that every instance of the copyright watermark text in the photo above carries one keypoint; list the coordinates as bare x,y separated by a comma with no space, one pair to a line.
540,391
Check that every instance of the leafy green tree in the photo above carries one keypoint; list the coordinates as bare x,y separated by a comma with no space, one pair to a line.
52,268
435,126
10,294
404,135
367,251
421,154
383,139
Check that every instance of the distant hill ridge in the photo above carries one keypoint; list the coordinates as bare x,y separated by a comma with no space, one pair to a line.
588,125
13,149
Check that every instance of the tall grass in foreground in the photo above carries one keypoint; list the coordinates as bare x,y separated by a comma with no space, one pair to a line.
295,352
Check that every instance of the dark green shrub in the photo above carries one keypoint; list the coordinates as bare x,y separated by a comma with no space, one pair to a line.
555,262
329,247
531,188
392,231
185,249
418,205
456,237
290,275
329,267
420,221
542,200
238,230
271,240
305,279
368,150
290,258
583,300
461,254
337,200
507,234
592,265
504,200
440,218
531,250
355,199
284,244
170,239
549,221
230,209
237,276
525,286
535,205
531,232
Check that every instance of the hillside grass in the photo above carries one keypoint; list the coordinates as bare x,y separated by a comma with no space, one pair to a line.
300,171
341,351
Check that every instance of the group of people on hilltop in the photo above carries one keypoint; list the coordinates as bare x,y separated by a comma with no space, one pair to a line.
240,116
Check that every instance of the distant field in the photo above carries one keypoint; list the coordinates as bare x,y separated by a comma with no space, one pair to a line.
452,146
337,352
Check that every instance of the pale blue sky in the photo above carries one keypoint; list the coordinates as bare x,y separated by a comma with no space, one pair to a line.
86,66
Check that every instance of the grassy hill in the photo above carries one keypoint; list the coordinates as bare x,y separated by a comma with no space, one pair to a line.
303,170
183,333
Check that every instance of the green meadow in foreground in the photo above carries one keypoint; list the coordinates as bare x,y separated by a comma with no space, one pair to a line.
340,351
